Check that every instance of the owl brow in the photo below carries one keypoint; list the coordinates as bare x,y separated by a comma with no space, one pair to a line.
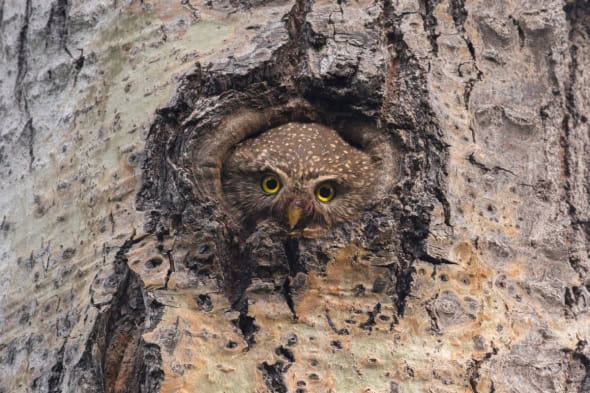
267,169
254,170
329,178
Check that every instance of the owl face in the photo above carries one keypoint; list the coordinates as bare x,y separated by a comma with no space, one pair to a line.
300,175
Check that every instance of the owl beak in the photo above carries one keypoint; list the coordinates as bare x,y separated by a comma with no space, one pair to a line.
294,215
295,210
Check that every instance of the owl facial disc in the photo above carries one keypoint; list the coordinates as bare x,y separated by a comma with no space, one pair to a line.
299,175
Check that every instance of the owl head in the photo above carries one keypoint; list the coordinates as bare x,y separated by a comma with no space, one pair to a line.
300,175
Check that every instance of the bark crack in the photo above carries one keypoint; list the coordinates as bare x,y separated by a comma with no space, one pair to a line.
247,326
22,63
577,14
171,269
115,353
332,325
56,377
1,18
430,23
437,260
272,375
495,169
473,371
289,297
56,28
521,36
460,14
27,135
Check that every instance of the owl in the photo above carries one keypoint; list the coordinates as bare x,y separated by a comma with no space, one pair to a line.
299,175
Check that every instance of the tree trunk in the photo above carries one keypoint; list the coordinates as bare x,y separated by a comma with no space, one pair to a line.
122,271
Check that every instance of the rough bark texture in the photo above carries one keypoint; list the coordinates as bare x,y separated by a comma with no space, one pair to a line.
120,270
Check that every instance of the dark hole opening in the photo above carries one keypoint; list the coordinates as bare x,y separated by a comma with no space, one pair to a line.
153,263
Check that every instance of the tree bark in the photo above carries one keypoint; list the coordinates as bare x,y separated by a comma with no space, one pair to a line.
121,271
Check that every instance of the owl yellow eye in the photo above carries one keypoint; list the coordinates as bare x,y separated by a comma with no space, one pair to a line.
324,193
271,184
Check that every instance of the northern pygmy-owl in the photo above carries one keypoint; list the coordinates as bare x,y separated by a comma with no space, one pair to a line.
302,175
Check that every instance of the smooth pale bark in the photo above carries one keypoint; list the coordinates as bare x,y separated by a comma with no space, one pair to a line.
120,273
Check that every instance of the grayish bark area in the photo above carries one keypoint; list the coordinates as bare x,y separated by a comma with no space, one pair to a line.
120,270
